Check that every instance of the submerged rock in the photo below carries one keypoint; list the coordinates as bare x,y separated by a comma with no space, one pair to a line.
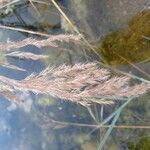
128,45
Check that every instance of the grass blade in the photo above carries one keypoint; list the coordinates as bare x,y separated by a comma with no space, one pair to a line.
109,130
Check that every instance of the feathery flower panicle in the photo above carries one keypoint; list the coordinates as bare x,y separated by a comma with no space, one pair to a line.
83,83
10,96
51,41
3,1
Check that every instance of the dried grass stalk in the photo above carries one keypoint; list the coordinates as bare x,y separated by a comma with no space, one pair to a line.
83,83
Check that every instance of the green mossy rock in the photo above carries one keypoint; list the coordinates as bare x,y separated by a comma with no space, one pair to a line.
128,45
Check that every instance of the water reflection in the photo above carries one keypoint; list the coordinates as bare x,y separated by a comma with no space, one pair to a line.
44,123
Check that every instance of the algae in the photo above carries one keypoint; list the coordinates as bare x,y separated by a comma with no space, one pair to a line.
142,144
46,102
128,45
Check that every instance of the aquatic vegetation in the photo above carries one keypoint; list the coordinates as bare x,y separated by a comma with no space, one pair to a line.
128,45
140,144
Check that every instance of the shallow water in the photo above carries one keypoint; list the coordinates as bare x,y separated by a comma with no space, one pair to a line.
44,123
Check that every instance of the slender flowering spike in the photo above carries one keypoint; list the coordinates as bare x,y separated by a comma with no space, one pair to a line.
83,83
51,41
14,67
26,55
